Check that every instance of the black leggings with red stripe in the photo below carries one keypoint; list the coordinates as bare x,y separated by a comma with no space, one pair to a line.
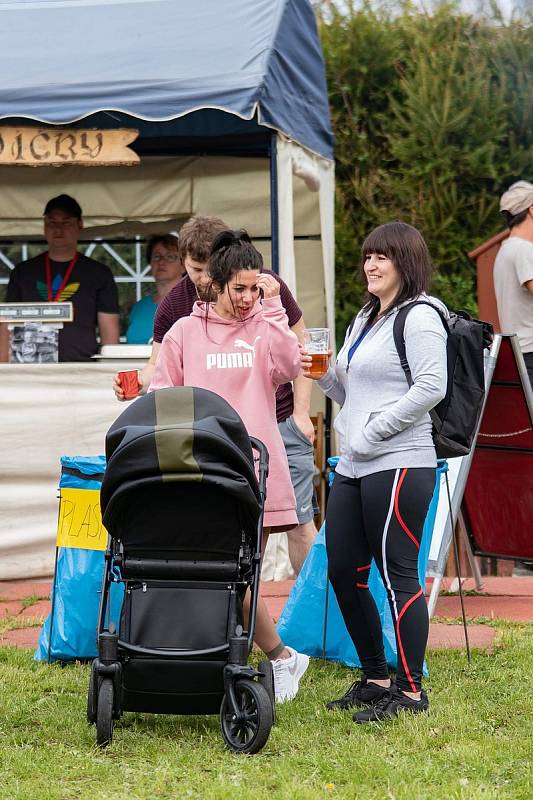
381,516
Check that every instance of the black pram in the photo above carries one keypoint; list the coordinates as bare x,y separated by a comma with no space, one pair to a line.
184,511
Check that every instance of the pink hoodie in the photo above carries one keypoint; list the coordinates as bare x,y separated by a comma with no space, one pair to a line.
244,362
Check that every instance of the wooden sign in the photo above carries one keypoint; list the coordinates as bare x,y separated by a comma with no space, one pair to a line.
44,147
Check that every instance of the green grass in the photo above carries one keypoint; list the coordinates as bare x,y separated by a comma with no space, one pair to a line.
32,599
491,622
11,623
465,593
475,743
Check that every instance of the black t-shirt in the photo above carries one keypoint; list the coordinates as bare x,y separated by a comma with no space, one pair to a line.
91,288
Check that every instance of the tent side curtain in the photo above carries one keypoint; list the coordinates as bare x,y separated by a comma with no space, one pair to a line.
317,177
294,99
159,60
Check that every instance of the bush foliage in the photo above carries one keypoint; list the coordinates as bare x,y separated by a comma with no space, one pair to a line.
433,118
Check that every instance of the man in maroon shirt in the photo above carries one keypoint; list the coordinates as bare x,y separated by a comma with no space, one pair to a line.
292,407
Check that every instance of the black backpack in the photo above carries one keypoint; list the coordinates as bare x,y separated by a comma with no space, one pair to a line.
456,417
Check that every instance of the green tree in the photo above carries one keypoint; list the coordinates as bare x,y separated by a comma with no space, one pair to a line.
433,119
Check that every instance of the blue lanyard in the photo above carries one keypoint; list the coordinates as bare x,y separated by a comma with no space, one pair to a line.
357,342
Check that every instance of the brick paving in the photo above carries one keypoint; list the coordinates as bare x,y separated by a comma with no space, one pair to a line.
19,590
517,609
501,598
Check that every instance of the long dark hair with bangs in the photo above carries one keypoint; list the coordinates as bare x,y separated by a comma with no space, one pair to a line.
406,248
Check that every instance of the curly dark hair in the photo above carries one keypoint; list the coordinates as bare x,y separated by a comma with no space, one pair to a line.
231,252
197,235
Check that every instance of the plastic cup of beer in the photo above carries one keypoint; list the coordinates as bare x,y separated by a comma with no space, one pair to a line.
316,344
129,382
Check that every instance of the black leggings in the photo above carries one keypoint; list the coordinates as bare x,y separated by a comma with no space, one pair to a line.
381,516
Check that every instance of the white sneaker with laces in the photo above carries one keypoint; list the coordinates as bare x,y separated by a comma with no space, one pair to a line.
287,674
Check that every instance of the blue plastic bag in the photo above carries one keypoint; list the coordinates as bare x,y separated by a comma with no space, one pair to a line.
69,631
302,621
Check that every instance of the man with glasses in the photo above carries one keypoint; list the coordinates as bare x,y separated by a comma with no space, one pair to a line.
166,268
63,274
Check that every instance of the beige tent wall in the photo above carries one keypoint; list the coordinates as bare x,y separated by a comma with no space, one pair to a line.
237,189
161,189
49,411
157,189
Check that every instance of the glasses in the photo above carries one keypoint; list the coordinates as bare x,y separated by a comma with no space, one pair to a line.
170,257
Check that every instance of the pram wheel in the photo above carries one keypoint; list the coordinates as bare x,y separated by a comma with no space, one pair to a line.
104,714
92,697
267,680
250,733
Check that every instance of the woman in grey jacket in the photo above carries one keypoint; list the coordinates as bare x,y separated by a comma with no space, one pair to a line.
386,472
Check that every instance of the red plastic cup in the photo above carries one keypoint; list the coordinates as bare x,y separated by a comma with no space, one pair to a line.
129,381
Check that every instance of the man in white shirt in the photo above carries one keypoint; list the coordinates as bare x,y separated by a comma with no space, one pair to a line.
513,269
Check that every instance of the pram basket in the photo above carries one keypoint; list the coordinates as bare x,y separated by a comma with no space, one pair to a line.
184,511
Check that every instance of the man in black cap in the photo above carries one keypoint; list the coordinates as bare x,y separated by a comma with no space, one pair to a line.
63,274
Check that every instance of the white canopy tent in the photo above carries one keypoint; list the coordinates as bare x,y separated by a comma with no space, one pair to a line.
248,82
42,416
243,132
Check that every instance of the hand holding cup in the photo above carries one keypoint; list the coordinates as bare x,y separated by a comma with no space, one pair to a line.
315,353
127,384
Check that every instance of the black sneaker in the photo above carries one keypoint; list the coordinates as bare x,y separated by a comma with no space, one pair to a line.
360,695
390,705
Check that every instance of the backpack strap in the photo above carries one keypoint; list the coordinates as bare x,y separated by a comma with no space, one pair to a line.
398,332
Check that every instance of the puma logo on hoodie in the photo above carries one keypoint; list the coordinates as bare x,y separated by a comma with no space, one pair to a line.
232,360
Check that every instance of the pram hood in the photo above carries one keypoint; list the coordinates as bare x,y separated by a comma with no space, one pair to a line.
182,434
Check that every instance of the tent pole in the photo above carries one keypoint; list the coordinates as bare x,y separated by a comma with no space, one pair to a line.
274,221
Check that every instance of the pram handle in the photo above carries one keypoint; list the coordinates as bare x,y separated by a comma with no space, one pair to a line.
258,445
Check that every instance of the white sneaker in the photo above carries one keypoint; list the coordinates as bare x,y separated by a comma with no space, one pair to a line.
287,674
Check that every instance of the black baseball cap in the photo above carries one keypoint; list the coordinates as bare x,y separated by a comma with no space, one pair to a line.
64,203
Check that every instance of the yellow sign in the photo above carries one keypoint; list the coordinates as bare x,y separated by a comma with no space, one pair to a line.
44,147
80,520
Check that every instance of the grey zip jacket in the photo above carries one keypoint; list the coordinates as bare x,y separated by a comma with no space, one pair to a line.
383,424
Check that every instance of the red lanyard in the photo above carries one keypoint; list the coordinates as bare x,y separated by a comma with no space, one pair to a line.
68,273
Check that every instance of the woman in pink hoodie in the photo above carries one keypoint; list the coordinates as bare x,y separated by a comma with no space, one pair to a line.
241,347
